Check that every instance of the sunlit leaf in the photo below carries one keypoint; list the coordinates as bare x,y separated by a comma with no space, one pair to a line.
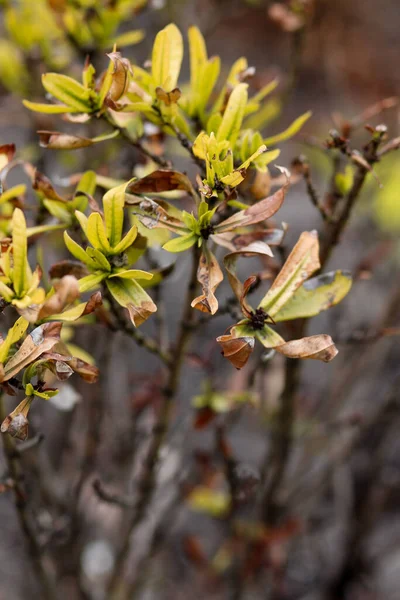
315,295
289,132
302,262
167,57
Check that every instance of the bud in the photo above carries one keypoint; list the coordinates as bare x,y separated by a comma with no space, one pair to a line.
16,423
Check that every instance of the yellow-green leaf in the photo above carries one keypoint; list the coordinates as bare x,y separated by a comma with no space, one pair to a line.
315,295
290,131
14,334
95,233
21,270
233,115
77,251
50,109
181,243
67,90
13,192
302,262
91,281
167,57
133,274
113,204
129,38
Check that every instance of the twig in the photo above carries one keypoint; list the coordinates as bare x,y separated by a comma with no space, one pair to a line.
111,497
14,471
282,441
145,487
162,162
140,338
183,140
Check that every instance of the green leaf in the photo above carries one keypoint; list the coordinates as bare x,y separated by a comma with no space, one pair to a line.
50,109
113,204
268,337
14,334
132,274
129,294
181,243
167,57
77,251
58,210
95,232
289,132
13,192
233,115
91,281
68,91
126,241
129,38
302,262
99,259
315,295
21,270
87,183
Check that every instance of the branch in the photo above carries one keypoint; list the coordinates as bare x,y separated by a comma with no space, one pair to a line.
11,455
162,162
146,484
140,338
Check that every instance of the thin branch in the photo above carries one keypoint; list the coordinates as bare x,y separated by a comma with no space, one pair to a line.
159,160
147,479
140,338
11,455
111,497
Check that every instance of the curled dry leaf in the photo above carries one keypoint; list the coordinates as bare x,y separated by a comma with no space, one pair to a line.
68,267
318,347
7,153
42,184
253,249
162,180
261,211
16,423
42,339
119,75
55,140
139,314
236,350
66,291
209,275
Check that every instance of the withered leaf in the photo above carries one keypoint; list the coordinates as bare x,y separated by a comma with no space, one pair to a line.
55,140
230,260
209,275
258,212
162,180
119,76
236,350
42,184
68,267
318,347
139,314
42,339
66,291
168,98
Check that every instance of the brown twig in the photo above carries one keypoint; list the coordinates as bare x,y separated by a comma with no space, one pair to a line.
159,160
140,338
11,455
147,479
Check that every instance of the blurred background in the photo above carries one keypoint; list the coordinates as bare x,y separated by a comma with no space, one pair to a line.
342,536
